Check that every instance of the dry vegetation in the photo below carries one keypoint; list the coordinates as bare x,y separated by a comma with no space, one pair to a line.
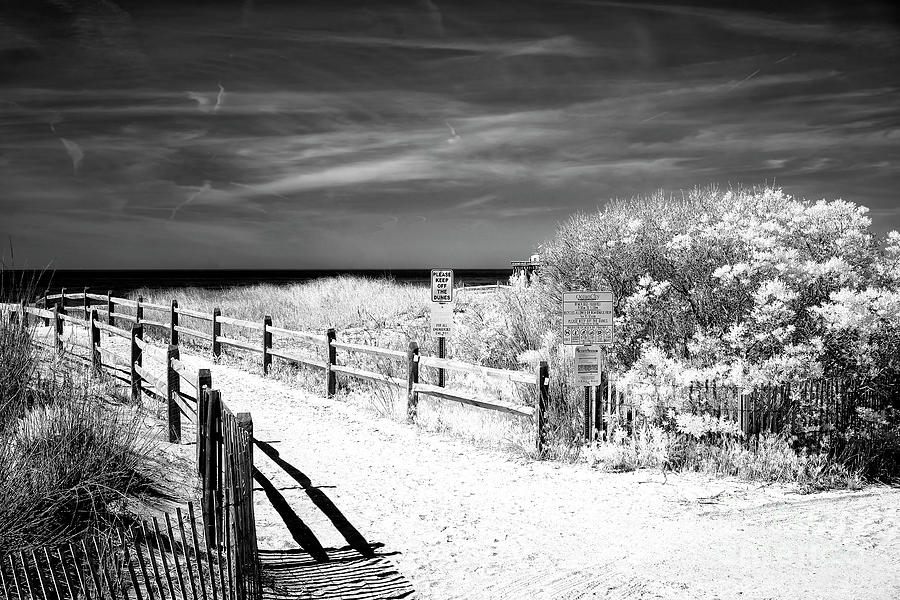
75,456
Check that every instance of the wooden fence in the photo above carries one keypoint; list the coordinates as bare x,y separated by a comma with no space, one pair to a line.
318,351
813,410
158,561
224,441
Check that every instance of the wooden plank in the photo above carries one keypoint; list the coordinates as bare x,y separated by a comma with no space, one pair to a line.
95,579
153,563
183,370
148,583
187,554
433,390
303,335
150,348
37,568
456,365
155,323
103,569
240,322
238,343
131,318
163,560
79,572
132,574
195,314
197,556
73,320
368,375
95,297
145,304
193,332
149,378
114,330
181,585
370,349
123,301
299,359
39,312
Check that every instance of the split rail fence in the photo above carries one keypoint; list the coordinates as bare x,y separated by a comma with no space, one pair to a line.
170,319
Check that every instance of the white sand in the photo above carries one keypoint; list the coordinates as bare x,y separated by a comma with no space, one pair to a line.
474,523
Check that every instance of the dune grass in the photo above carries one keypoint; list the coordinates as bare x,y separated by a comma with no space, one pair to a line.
74,455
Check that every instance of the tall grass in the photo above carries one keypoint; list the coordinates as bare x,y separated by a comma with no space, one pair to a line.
73,457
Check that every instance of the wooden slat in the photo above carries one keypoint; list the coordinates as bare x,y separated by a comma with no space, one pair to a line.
39,312
433,390
239,343
187,554
303,335
300,359
194,313
154,323
73,320
149,378
239,322
92,297
370,349
455,365
124,317
193,332
368,375
104,351
152,306
150,348
75,296
54,296
182,369
124,301
113,330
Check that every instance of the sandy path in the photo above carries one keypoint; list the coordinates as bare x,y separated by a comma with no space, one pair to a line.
474,523
462,522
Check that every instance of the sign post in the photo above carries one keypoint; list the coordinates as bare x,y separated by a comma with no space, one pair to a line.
441,312
588,325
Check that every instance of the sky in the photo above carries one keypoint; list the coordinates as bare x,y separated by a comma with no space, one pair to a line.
418,133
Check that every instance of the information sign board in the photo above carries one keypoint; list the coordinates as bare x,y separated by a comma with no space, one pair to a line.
442,285
441,320
587,365
588,318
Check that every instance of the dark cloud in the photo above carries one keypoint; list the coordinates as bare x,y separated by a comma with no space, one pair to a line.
406,134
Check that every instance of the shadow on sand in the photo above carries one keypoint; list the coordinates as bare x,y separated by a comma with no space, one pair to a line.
355,572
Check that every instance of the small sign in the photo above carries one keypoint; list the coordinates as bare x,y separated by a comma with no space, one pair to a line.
441,320
442,285
588,318
587,365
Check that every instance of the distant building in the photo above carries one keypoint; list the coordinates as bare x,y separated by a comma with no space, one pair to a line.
525,267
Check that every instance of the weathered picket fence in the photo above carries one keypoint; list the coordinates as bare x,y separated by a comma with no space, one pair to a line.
149,560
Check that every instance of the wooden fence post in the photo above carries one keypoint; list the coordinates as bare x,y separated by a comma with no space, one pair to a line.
216,332
210,464
247,540
57,329
62,299
331,354
110,309
204,381
587,414
139,310
540,406
442,353
267,344
173,324
137,333
412,378
173,387
95,342
87,305
46,307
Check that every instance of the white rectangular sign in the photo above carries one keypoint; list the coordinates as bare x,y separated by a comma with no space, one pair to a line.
588,318
587,365
441,320
442,285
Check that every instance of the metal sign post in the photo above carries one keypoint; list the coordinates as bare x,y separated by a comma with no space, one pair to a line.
588,325
441,312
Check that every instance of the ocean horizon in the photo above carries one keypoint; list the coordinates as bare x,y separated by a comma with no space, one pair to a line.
122,281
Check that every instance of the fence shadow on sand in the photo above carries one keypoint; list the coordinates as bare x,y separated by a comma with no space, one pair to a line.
358,571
